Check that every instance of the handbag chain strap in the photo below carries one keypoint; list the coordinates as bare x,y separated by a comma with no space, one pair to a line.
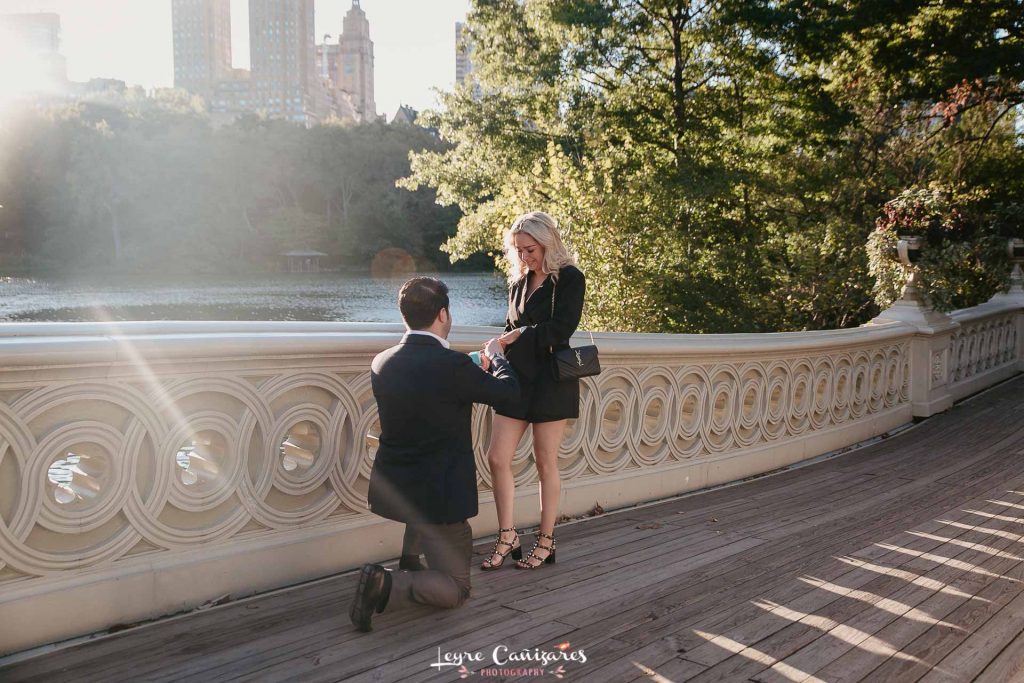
554,288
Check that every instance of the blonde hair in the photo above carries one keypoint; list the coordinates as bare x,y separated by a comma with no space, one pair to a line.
543,228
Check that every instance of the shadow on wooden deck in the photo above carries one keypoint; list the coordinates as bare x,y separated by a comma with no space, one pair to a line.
901,561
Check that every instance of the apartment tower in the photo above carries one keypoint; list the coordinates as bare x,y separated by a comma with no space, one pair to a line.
356,63
202,44
34,43
463,54
282,52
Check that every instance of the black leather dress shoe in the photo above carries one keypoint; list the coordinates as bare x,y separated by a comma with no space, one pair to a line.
371,596
410,563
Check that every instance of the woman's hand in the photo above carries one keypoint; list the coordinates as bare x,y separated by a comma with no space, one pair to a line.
493,348
509,337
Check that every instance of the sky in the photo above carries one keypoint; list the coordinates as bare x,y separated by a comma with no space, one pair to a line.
413,41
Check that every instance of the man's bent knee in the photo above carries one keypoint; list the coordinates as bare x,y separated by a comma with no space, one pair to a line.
463,594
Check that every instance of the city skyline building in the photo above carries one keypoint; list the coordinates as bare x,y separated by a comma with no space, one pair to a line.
463,54
405,116
355,63
328,59
202,44
34,41
282,50
232,97
132,40
328,65
340,78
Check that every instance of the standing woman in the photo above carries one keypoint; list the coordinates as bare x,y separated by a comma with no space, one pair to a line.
545,303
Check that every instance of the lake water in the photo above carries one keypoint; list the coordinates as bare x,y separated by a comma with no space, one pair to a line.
476,298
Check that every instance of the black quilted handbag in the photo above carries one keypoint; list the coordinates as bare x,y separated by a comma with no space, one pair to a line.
574,363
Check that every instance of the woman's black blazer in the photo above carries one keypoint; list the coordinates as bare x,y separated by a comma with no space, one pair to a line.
531,354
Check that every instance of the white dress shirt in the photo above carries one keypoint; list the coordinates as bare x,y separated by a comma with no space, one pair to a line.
444,342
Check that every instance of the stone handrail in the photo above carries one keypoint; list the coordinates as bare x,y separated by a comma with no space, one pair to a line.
146,468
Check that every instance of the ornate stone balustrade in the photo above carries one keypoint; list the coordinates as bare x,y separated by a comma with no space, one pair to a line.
984,349
149,467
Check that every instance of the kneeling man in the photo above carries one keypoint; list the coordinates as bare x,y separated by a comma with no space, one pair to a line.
424,473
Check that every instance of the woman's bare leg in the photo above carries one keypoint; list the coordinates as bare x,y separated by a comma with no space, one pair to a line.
506,433
547,439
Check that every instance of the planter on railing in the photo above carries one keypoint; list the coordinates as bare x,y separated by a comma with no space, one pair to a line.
1015,248
907,250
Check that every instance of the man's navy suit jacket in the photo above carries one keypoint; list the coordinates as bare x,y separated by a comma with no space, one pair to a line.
424,471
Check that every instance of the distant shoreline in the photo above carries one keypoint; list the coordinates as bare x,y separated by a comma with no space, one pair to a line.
478,298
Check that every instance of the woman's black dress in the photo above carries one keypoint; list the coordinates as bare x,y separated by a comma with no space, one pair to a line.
543,399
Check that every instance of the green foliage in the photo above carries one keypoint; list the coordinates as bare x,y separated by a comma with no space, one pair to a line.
719,166
610,117
917,49
132,183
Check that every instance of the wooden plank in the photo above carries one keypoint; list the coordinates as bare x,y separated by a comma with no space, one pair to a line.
840,571
199,629
805,629
760,561
858,634
306,642
646,574
859,663
919,656
672,671
598,657
204,642
1007,666
691,601
358,652
515,632
767,493
726,615
983,645
644,663
672,628
595,629
971,464
759,620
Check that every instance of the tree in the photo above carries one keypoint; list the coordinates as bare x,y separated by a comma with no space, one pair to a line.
717,166
641,126
133,183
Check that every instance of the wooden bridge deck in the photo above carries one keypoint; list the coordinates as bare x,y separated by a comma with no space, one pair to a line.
902,561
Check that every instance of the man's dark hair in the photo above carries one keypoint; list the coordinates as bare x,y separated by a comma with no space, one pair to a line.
420,300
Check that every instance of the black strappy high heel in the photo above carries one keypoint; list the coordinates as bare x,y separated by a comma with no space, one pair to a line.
550,559
513,548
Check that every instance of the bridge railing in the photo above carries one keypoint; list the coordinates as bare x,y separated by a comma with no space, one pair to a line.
984,349
147,468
